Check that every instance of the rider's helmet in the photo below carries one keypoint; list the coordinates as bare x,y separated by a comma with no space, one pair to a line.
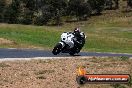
77,31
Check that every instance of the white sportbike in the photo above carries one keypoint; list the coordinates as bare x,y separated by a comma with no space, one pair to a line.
67,44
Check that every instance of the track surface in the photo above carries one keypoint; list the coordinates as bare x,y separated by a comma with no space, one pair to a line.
29,53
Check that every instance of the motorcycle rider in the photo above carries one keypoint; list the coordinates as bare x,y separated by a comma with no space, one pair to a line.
80,38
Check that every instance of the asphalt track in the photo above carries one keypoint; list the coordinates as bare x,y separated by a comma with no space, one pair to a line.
30,53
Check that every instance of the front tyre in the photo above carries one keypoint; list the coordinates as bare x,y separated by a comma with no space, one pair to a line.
57,49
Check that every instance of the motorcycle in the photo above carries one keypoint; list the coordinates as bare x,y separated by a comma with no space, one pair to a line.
68,45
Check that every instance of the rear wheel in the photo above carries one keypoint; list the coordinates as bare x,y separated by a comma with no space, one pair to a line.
72,53
74,50
57,49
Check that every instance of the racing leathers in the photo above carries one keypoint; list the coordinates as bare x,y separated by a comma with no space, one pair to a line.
79,40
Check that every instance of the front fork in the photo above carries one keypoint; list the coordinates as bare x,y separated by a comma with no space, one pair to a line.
63,44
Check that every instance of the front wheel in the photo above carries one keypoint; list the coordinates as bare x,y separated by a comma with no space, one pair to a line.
57,49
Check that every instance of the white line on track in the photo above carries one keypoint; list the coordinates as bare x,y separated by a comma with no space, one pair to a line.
44,58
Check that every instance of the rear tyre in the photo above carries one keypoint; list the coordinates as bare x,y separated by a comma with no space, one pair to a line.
57,49
72,53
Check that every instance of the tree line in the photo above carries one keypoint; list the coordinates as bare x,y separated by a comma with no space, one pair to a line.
42,12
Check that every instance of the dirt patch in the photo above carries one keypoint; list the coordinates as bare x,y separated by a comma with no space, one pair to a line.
4,41
59,73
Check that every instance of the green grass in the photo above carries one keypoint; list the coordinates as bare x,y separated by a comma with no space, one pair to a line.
106,33
30,35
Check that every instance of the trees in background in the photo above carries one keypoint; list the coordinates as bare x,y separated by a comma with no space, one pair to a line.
2,9
79,8
116,4
12,12
112,4
43,15
27,8
59,10
97,5
129,3
41,12
108,4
